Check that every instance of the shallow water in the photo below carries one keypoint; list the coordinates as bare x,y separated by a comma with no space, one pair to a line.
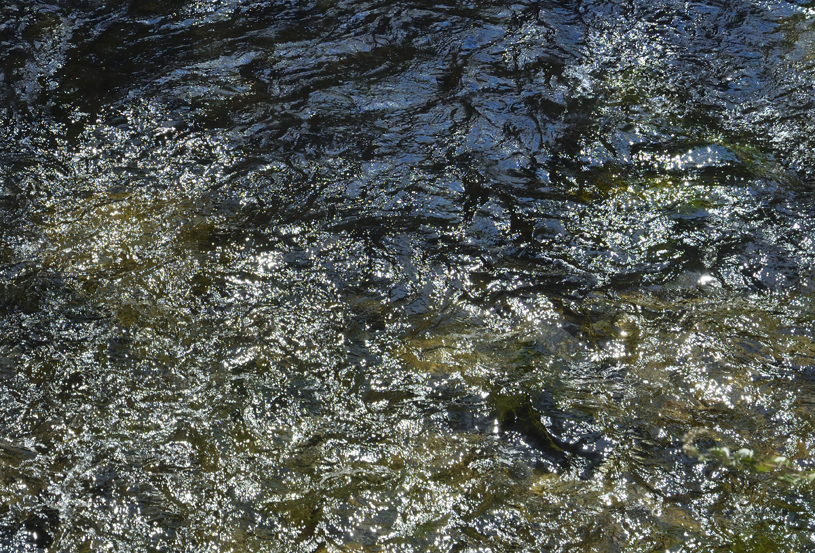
369,276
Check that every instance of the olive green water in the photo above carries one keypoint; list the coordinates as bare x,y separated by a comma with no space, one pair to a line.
406,276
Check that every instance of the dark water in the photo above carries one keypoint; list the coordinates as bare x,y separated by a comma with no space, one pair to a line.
406,276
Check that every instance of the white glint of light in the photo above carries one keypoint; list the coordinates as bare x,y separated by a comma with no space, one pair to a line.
243,357
614,350
268,262
706,279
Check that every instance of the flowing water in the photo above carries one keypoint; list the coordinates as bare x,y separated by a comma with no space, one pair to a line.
354,275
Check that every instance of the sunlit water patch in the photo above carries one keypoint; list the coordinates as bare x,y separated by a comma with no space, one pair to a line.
478,277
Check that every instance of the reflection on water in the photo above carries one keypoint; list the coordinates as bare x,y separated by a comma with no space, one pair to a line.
290,276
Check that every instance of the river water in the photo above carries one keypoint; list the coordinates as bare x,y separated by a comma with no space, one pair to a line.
407,276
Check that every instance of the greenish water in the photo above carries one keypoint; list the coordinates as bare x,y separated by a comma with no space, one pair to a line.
376,276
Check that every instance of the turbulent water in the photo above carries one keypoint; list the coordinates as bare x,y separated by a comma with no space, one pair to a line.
407,276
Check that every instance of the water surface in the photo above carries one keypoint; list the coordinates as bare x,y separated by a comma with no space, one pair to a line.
376,276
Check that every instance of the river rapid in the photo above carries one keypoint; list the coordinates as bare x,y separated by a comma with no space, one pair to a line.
335,275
